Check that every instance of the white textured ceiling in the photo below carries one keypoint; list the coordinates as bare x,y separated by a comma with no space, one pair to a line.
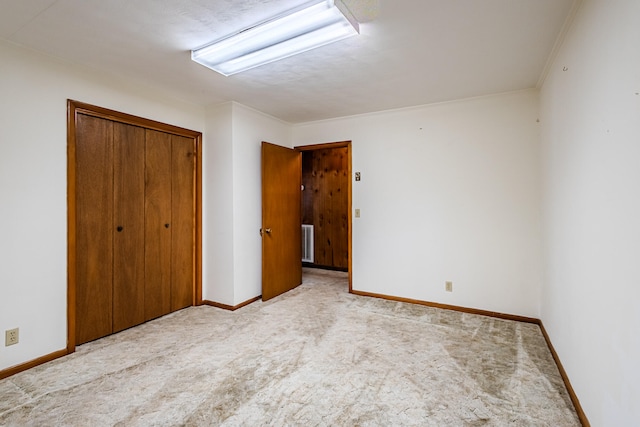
409,52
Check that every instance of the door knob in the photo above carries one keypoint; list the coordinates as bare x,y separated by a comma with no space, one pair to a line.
119,228
166,226
266,230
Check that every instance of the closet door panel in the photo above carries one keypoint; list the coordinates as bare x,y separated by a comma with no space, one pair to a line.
182,227
94,227
128,223
157,224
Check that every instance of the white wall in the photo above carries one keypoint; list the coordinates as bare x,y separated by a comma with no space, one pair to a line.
590,129
233,266
217,216
33,186
448,192
250,128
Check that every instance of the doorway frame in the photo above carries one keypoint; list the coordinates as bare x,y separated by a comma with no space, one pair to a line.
73,109
341,144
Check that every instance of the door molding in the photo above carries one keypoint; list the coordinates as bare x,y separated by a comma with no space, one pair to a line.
73,109
341,144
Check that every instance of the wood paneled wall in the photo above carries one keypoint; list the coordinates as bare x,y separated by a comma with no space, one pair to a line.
325,176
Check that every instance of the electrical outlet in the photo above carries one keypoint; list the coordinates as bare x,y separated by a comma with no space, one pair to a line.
448,286
11,337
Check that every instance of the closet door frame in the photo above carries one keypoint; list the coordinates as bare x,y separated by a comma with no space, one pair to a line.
74,108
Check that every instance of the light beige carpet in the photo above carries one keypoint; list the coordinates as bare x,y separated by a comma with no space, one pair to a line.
316,356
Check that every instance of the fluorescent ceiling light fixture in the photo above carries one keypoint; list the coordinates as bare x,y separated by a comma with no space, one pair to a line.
307,27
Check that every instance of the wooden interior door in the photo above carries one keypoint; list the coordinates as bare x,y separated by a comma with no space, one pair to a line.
281,226
128,223
182,222
134,221
94,232
157,224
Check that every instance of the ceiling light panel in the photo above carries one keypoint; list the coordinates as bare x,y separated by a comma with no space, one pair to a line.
307,27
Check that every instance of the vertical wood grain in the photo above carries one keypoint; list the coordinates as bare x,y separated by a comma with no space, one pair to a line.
72,226
128,249
182,226
320,210
93,251
340,210
308,183
325,204
281,201
157,216
94,232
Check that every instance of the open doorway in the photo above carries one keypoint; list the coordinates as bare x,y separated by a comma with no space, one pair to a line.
326,209
282,217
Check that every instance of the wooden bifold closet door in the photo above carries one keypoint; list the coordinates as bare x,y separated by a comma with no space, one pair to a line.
135,225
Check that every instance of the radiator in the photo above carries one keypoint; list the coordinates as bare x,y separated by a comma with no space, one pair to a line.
307,243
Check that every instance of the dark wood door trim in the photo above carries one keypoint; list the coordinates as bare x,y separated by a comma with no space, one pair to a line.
77,107
73,109
341,144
